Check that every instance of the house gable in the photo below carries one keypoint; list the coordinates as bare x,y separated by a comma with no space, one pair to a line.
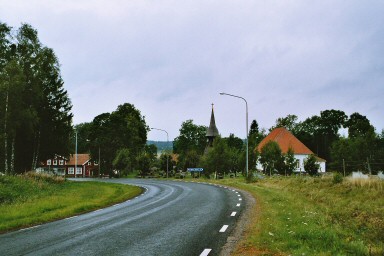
285,139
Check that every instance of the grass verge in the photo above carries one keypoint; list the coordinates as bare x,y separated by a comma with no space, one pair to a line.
313,216
34,199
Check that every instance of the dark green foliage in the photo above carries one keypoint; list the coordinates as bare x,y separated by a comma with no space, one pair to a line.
271,158
311,166
217,159
124,128
35,111
289,122
192,138
289,162
190,144
337,178
122,161
234,142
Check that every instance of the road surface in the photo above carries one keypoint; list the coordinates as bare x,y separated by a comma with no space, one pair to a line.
169,218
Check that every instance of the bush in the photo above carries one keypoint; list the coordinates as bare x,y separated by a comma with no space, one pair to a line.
337,178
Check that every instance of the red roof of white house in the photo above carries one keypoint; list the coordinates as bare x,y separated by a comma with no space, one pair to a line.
285,139
81,159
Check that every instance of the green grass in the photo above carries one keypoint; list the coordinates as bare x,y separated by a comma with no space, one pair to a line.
313,216
34,199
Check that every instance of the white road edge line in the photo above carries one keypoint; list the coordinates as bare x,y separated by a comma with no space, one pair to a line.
233,214
24,229
223,229
205,252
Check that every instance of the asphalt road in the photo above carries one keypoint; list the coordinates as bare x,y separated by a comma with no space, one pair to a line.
170,218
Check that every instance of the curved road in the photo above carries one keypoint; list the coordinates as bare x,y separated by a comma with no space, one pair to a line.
170,218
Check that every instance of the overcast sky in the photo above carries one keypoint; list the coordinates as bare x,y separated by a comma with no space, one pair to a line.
172,58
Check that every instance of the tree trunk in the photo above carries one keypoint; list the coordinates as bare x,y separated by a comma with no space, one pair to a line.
12,164
6,137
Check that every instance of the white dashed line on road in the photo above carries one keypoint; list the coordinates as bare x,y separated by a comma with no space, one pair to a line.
205,252
223,229
233,214
240,199
238,205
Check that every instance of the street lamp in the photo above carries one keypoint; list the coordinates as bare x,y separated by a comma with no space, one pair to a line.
167,142
246,125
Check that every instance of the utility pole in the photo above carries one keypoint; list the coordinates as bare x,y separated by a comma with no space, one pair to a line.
369,166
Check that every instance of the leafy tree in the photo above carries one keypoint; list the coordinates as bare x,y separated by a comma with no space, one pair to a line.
122,161
151,150
271,157
192,137
11,85
83,138
124,128
290,161
289,122
319,132
358,126
217,159
311,166
143,163
41,124
163,163
254,129
364,153
234,142
190,144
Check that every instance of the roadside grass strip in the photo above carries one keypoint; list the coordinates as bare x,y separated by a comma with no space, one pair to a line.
312,216
39,201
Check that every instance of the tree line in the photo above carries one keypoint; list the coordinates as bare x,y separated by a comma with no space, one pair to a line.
36,118
362,149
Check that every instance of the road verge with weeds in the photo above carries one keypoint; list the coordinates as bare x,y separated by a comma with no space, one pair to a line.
313,216
32,199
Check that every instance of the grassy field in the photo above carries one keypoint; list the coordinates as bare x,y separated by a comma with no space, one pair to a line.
313,216
33,199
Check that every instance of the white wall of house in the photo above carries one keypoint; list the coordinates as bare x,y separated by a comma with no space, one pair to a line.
300,166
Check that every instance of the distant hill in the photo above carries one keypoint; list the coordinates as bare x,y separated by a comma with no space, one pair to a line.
161,145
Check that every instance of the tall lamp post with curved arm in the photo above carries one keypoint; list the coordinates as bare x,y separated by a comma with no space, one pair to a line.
246,125
167,142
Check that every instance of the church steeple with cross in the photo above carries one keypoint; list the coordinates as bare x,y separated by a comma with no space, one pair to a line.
212,130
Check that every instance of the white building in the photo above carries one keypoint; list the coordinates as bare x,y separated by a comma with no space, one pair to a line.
286,140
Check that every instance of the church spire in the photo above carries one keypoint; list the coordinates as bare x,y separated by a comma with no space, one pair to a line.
212,130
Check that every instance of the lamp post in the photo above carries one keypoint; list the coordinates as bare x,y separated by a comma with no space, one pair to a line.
246,125
167,142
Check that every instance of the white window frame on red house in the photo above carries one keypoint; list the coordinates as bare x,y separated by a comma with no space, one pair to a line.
61,162
54,161
79,170
71,170
49,162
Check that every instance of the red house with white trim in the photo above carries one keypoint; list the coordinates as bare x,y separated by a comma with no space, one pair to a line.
80,166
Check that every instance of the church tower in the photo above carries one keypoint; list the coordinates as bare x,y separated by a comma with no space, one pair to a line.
212,131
